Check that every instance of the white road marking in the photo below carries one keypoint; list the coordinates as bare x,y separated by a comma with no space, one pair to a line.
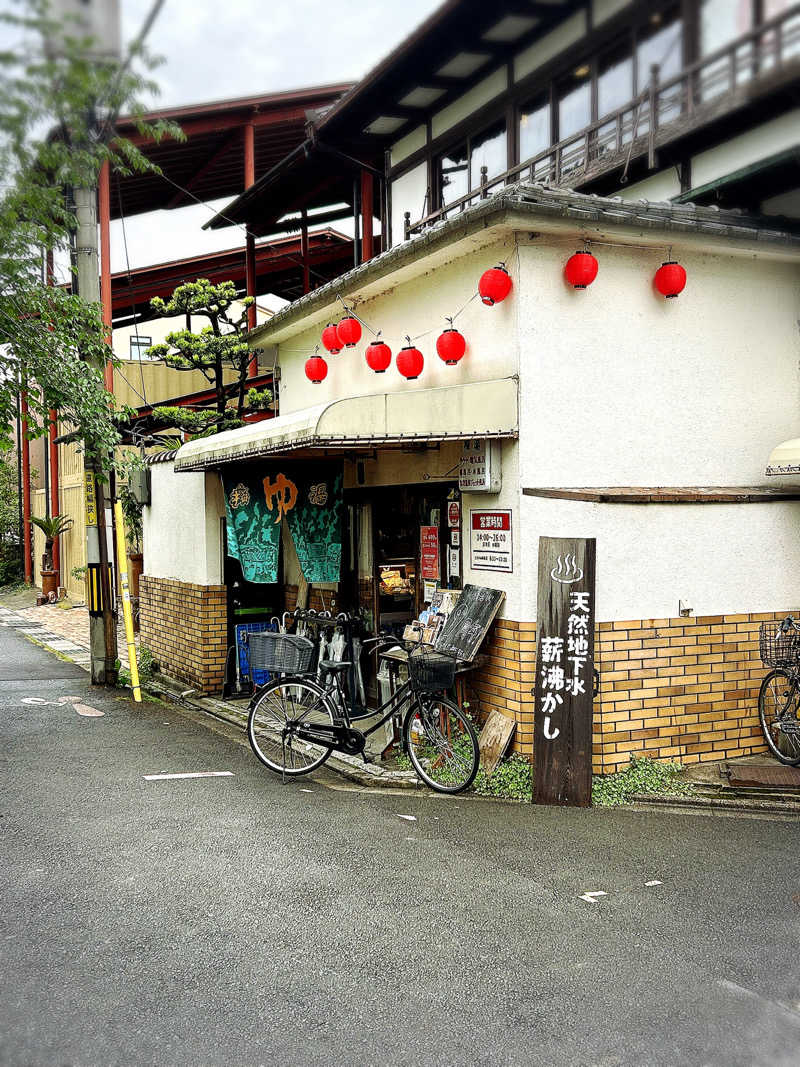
788,1013
654,881
591,898
35,700
188,774
306,790
408,818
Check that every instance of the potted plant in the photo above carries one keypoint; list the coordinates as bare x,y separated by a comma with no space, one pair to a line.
52,527
132,513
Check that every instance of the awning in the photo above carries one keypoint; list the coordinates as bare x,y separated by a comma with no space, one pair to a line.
454,412
785,458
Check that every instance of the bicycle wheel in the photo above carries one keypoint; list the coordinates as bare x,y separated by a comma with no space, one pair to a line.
441,743
777,712
277,709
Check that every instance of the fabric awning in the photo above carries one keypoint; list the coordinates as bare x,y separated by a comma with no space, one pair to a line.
454,412
785,458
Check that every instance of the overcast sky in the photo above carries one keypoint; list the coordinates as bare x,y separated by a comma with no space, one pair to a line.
216,51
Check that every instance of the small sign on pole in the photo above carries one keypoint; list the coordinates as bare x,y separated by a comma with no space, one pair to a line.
565,619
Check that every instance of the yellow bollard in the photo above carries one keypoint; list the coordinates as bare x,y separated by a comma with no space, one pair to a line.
122,559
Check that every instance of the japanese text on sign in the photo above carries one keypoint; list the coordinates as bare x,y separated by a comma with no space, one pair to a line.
491,546
565,670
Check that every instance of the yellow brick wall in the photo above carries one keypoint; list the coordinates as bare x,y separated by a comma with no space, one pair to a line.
682,689
184,626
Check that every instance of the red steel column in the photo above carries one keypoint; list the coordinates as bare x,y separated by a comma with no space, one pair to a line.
52,433
27,550
104,218
366,216
55,508
250,253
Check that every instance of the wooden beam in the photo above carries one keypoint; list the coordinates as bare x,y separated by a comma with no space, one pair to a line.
180,197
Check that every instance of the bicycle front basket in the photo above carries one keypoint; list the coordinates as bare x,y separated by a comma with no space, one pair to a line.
429,671
280,653
778,649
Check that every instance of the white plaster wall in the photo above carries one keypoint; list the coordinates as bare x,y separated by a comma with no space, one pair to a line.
720,558
182,532
784,204
416,307
657,187
531,58
408,194
515,584
765,140
486,90
622,387
412,142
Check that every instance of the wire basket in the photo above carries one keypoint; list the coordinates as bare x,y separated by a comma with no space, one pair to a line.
778,648
430,671
281,653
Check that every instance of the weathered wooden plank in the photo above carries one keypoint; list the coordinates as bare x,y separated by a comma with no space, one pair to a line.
565,620
494,739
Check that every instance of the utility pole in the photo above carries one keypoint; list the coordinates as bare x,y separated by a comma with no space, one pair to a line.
102,624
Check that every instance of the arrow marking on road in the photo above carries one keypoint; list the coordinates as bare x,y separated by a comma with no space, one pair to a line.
592,897
188,774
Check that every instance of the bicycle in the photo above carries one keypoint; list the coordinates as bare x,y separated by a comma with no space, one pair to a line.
295,722
779,695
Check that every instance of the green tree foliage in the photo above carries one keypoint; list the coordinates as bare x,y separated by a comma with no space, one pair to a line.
57,128
10,549
218,349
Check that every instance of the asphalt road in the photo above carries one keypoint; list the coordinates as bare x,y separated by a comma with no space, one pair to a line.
237,920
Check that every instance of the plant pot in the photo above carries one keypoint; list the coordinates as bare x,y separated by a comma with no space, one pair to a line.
135,560
49,583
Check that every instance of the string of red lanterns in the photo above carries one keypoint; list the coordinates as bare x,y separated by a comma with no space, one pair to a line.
494,286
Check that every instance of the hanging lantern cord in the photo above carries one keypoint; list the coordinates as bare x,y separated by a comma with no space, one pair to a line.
350,311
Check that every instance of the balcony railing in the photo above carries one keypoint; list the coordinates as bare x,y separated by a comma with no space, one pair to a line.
714,86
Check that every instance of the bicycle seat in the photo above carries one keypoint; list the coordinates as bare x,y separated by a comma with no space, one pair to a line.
335,665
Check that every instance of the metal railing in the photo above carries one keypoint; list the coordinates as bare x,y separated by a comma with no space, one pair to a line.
713,86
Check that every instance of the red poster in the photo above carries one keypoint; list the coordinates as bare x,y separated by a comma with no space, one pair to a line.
429,552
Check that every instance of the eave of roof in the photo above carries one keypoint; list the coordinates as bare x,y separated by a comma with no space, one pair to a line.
522,204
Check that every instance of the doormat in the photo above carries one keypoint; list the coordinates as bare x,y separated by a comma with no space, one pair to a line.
762,776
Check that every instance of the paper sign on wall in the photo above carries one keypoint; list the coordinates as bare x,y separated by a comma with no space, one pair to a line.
429,552
490,541
479,470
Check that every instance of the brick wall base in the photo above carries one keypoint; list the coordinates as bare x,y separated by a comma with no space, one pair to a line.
682,689
184,626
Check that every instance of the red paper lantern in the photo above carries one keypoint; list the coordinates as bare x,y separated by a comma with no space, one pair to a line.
670,279
581,270
349,331
451,346
410,362
316,369
495,285
378,356
330,338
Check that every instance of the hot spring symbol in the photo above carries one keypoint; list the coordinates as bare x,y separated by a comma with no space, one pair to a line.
567,572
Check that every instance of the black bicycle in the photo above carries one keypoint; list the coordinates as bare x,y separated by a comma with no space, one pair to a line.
779,696
295,722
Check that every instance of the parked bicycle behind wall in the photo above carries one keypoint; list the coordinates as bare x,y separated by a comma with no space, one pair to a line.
779,696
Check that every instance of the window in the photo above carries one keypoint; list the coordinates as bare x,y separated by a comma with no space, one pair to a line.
488,150
535,135
660,44
575,102
139,346
454,175
459,170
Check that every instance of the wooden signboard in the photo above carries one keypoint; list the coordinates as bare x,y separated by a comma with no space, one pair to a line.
469,621
565,619
494,739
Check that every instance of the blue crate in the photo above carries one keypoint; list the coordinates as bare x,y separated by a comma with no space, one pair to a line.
257,677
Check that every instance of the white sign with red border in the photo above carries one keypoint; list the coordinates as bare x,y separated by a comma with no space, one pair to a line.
490,541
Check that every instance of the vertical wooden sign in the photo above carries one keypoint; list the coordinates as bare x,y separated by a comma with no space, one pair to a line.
565,617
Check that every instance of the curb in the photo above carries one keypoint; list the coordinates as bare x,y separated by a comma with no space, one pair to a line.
369,774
